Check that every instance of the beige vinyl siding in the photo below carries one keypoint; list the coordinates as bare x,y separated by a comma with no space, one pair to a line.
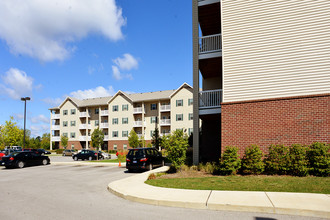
275,48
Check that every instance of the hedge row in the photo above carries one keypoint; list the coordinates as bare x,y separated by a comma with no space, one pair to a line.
295,160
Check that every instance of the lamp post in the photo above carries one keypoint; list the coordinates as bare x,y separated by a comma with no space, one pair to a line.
24,99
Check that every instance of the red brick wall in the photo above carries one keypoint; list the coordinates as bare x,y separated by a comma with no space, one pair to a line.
77,145
287,121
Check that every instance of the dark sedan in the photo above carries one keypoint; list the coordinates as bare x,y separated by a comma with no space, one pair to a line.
25,158
143,158
87,155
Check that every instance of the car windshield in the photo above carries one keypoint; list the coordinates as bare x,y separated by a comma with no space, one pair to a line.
136,153
14,154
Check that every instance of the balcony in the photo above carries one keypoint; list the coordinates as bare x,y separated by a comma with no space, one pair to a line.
139,135
210,46
104,112
138,110
206,2
85,138
85,126
104,125
210,101
165,108
165,122
55,116
55,127
84,114
56,138
138,124
106,137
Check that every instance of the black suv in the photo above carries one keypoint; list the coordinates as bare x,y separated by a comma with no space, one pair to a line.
87,155
143,158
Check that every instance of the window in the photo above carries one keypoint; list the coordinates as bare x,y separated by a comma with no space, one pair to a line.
125,120
190,116
125,107
190,101
115,146
125,134
72,146
153,119
73,111
115,134
153,106
179,102
96,122
97,111
65,134
115,121
125,146
72,135
151,133
179,117
89,122
65,112
190,131
73,123
115,108
65,124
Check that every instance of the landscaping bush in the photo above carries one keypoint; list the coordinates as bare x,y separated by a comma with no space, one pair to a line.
210,168
121,154
319,159
252,160
59,151
277,160
298,163
230,162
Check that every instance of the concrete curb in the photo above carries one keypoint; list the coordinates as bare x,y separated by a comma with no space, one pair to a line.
305,204
82,163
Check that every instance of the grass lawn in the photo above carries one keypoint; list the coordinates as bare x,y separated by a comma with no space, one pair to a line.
108,161
248,183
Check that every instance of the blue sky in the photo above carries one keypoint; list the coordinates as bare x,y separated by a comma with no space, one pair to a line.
57,48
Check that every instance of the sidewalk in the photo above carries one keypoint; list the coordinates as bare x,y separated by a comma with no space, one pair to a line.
307,204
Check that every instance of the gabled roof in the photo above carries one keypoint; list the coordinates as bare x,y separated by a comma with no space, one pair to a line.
75,101
150,96
184,85
95,101
117,94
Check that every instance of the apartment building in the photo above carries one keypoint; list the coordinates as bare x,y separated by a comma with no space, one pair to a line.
264,70
119,114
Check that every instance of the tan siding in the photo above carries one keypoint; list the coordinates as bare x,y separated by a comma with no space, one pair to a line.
275,48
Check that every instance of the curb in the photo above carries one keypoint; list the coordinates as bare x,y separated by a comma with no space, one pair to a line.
134,189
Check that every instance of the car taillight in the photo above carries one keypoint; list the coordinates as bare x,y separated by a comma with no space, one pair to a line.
143,159
128,160
95,154
11,158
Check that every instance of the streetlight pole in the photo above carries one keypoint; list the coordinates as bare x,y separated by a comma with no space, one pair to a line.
24,99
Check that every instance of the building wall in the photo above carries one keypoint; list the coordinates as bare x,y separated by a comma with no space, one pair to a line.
275,48
68,106
301,120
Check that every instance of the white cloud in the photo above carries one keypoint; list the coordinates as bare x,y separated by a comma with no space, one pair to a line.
99,91
40,119
38,130
128,62
53,101
17,83
116,73
45,29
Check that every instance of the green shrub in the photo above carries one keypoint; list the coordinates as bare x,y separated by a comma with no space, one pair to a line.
59,151
252,161
209,167
230,162
319,159
277,160
298,163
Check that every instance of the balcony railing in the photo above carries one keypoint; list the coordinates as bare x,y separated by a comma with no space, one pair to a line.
210,43
104,125
55,116
165,108
104,112
210,98
164,122
55,127
85,138
138,110
56,138
138,124
84,114
106,137
85,126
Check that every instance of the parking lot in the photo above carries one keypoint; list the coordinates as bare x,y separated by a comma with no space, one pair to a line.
80,192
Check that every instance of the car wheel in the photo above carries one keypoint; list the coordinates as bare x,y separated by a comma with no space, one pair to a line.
20,164
75,158
163,163
150,166
44,162
90,158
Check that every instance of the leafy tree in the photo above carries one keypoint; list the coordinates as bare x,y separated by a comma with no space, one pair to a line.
142,141
35,143
45,141
97,138
133,139
64,141
11,135
156,139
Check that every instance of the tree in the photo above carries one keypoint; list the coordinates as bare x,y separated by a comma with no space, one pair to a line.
97,138
156,139
45,141
133,139
11,134
142,141
64,141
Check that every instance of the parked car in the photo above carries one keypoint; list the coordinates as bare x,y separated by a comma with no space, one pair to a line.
87,155
105,155
2,154
43,151
143,158
21,159
68,152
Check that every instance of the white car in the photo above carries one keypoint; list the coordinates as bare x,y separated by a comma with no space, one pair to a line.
105,155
